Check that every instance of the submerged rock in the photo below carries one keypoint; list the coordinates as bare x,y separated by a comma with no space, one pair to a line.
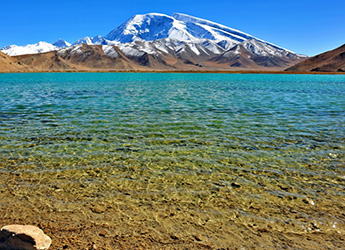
20,237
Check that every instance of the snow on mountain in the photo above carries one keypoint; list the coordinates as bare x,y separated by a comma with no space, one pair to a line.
210,30
185,28
131,51
180,27
96,40
159,34
74,49
147,27
262,49
87,40
154,26
219,31
110,51
40,47
61,43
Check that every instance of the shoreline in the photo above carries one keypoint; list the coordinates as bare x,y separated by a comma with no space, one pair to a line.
184,71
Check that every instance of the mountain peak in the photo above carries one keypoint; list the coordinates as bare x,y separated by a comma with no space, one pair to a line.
149,27
86,40
60,43
182,27
180,33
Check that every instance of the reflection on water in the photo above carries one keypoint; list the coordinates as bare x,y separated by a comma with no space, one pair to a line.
221,158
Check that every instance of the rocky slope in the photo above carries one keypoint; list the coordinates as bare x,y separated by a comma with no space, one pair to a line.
10,64
148,56
331,61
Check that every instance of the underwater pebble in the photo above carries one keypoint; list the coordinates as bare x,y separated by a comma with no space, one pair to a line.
174,237
309,201
198,237
23,237
98,209
235,185
103,233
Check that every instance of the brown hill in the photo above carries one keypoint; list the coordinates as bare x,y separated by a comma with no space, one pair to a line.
331,61
87,58
10,64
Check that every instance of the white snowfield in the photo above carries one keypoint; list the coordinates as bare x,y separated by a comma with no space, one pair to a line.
110,51
41,47
156,33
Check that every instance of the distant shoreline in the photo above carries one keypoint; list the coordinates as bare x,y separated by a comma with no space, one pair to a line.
185,71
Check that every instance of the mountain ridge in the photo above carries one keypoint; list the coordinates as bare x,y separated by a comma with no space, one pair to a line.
83,57
180,38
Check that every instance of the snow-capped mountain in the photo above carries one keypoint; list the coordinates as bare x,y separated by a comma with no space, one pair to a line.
181,27
179,38
61,44
40,47
96,40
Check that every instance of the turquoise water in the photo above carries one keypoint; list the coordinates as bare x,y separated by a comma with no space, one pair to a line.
262,137
278,116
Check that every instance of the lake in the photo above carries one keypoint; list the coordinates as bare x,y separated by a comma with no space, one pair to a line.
175,161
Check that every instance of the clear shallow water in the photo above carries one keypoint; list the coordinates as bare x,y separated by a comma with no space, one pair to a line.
243,147
107,115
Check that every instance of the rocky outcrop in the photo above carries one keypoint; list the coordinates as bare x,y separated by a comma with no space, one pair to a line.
20,237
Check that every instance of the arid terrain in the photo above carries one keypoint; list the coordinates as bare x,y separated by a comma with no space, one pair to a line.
330,61
10,64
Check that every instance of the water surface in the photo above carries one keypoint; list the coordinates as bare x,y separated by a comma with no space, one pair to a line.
202,157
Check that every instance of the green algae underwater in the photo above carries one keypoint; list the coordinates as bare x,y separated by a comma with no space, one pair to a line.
175,161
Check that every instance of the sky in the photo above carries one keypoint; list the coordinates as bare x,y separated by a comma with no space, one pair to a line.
306,27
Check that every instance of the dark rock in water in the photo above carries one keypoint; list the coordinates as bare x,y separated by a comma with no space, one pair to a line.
97,209
174,237
198,237
20,237
235,185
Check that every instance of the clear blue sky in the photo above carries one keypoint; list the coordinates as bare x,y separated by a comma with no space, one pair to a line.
303,26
